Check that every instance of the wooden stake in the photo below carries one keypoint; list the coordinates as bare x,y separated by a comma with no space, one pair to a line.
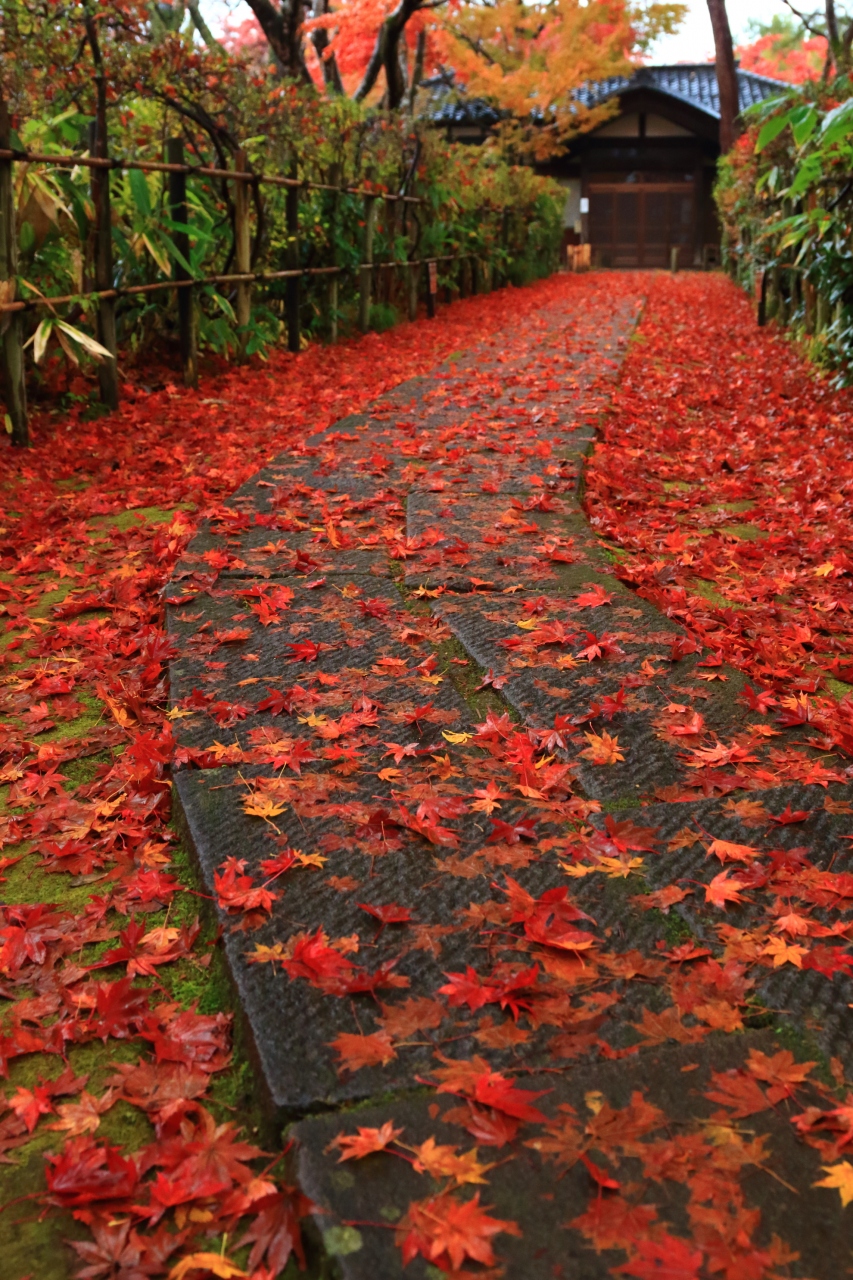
11,323
242,251
334,178
291,288
100,188
185,299
432,288
366,273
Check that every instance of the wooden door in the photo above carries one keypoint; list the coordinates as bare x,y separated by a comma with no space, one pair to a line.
638,224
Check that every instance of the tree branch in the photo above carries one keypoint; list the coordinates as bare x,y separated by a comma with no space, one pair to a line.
201,26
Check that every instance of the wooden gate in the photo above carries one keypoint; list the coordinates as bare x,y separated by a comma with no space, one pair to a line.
638,224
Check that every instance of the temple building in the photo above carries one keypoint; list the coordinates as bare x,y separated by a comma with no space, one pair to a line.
640,186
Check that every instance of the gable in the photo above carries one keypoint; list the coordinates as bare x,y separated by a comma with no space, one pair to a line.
636,124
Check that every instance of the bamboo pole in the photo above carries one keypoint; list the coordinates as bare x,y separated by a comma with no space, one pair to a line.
185,298
242,252
292,289
191,170
11,326
100,188
366,272
332,300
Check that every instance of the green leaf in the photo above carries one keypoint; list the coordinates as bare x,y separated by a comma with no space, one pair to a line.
772,129
27,238
807,174
139,191
88,344
837,124
223,304
40,338
803,123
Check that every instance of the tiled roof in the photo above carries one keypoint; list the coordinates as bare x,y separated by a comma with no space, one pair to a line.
695,84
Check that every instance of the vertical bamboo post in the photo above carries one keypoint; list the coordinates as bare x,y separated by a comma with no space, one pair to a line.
11,322
242,249
100,188
432,288
291,289
504,246
413,273
366,273
761,288
332,299
185,299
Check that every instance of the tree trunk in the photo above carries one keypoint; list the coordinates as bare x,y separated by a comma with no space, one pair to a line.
726,74
320,41
386,54
282,28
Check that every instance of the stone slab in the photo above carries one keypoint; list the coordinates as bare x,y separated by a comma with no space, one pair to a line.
526,1189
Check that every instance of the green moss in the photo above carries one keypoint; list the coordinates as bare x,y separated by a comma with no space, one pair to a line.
140,515
802,1044
82,724
621,803
744,504
466,681
710,593
838,688
614,554
748,532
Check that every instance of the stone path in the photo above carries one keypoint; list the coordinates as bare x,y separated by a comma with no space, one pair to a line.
354,612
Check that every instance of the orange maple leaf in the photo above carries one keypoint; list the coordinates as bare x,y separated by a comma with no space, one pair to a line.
363,1051
724,888
603,748
354,1146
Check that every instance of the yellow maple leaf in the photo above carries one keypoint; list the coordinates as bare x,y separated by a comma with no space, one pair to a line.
785,953
839,1176
432,679
441,1161
528,624
389,774
578,869
311,859
177,713
619,867
213,1263
262,807
602,749
267,955
455,739
823,570
313,721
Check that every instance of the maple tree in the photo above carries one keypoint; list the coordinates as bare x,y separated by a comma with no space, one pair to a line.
783,50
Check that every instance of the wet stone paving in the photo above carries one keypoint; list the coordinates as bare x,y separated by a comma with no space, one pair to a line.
430,762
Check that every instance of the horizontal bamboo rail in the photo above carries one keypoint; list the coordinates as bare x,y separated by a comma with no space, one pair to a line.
100,164
246,277
198,171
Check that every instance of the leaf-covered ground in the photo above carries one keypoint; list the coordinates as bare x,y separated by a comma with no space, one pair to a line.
509,819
